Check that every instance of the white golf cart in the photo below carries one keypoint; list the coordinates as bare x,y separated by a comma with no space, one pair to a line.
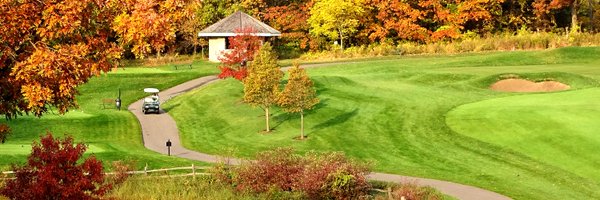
151,104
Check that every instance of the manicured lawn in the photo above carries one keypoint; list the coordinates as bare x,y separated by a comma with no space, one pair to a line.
111,134
393,112
560,129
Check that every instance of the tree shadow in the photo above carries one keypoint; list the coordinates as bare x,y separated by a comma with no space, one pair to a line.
322,103
336,120
283,116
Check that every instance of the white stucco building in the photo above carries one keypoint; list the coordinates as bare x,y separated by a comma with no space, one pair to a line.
219,32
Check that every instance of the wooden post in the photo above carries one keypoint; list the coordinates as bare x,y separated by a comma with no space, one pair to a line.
146,169
193,171
389,192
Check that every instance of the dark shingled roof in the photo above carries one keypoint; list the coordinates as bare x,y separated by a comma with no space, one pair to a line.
226,27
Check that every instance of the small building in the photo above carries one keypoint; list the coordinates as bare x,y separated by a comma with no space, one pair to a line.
218,34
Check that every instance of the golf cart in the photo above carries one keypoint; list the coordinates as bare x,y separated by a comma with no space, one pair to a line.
151,104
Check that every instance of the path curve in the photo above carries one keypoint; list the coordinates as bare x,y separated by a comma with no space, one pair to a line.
158,128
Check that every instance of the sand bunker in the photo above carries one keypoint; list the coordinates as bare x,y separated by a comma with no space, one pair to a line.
520,85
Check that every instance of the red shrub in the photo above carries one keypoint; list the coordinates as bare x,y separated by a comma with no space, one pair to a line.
318,176
272,169
52,172
333,176
412,191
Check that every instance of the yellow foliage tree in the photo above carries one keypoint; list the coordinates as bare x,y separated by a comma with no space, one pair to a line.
261,86
298,95
336,19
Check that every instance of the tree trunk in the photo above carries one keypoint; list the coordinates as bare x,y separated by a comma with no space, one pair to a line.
341,40
267,118
574,21
195,49
202,51
302,125
591,8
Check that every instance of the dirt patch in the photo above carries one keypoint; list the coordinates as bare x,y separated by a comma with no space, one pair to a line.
520,85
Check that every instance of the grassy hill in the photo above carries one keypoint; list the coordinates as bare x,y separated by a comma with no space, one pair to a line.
394,112
110,134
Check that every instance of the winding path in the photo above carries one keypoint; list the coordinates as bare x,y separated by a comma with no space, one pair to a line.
157,129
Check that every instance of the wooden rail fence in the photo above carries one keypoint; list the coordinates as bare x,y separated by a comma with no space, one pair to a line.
194,171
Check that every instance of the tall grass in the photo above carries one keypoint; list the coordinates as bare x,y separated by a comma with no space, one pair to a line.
205,187
523,40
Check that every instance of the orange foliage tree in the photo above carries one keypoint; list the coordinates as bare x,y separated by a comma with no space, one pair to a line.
149,25
429,20
291,20
48,48
396,19
298,94
242,47
543,10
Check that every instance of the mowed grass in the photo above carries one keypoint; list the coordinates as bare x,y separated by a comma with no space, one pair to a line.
110,134
393,113
560,129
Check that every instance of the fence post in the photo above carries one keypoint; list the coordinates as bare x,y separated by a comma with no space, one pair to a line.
146,169
193,171
389,191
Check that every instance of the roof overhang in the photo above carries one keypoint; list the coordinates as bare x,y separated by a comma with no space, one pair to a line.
235,34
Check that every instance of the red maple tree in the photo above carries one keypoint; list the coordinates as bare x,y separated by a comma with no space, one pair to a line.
242,47
53,172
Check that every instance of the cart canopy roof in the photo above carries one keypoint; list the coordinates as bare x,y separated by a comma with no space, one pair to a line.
151,90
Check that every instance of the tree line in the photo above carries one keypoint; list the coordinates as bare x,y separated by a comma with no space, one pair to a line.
315,24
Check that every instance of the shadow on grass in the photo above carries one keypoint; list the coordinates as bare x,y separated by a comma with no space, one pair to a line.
170,107
283,117
337,120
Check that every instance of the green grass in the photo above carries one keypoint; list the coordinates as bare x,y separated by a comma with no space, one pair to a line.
559,129
111,134
393,112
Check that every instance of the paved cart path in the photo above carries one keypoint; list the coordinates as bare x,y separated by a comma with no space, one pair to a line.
158,128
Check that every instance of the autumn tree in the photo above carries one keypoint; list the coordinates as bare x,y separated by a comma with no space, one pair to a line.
243,46
4,132
212,11
298,94
573,5
148,25
261,86
48,48
547,10
429,20
398,19
336,19
190,24
291,20
54,171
